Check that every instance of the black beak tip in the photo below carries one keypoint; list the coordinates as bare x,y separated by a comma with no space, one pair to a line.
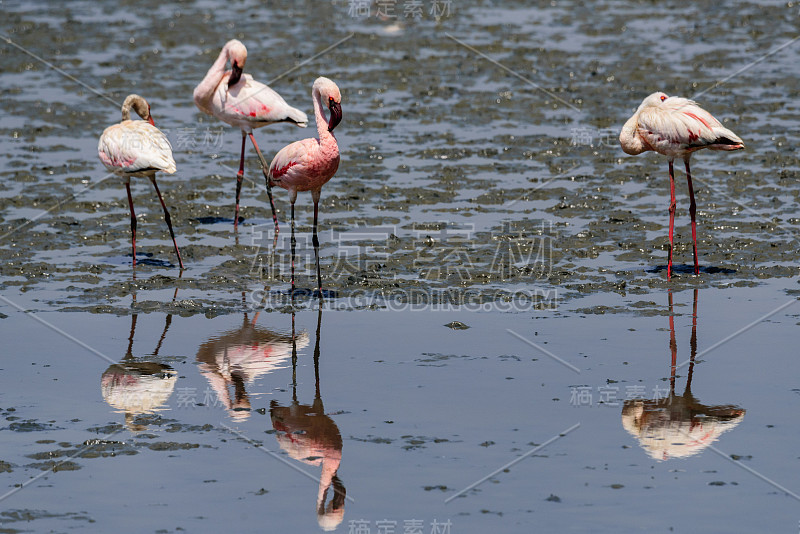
336,115
236,75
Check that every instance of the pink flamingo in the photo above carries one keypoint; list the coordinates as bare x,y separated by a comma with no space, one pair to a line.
676,127
238,100
138,148
307,165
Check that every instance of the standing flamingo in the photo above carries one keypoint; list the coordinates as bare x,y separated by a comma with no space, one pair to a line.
238,100
307,165
676,127
678,425
138,148
307,434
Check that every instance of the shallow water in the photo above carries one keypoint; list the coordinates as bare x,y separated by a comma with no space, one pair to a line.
493,264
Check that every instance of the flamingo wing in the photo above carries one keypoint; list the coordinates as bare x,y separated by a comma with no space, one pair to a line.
135,147
680,122
288,164
255,103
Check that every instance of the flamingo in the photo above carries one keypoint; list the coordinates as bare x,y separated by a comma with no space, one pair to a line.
676,127
307,434
239,357
678,426
307,165
139,385
138,148
237,99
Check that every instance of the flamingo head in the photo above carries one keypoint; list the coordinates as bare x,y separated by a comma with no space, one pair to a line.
139,105
237,54
329,93
653,100
629,138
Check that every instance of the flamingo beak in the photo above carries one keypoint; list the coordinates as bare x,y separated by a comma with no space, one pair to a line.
336,115
236,74
151,121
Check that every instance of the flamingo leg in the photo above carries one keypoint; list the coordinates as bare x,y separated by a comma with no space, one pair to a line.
692,211
169,221
265,168
294,244
316,352
134,318
671,216
239,178
673,347
692,342
133,220
294,359
315,241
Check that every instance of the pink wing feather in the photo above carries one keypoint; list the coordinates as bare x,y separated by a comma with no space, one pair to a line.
251,102
290,162
135,146
680,123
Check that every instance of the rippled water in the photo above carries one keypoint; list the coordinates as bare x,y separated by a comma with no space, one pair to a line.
493,264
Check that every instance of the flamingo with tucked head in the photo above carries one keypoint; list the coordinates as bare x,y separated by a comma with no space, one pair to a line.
138,148
676,127
307,165
237,99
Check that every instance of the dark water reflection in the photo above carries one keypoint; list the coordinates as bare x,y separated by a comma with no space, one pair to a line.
442,151
678,426
234,360
138,386
310,436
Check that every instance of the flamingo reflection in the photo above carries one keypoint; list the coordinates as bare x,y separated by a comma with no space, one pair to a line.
235,359
678,426
310,436
137,386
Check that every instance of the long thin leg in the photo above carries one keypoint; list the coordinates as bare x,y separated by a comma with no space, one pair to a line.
315,242
134,318
294,243
673,347
316,354
265,168
169,221
692,344
239,178
671,216
692,211
133,220
294,359
255,317
167,322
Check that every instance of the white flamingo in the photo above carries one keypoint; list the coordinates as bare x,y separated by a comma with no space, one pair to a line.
237,99
676,127
307,165
138,148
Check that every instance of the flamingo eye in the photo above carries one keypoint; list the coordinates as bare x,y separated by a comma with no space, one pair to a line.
663,97
330,99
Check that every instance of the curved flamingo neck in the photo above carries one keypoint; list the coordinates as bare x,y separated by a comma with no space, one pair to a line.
322,122
205,90
137,104
126,111
330,465
629,137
